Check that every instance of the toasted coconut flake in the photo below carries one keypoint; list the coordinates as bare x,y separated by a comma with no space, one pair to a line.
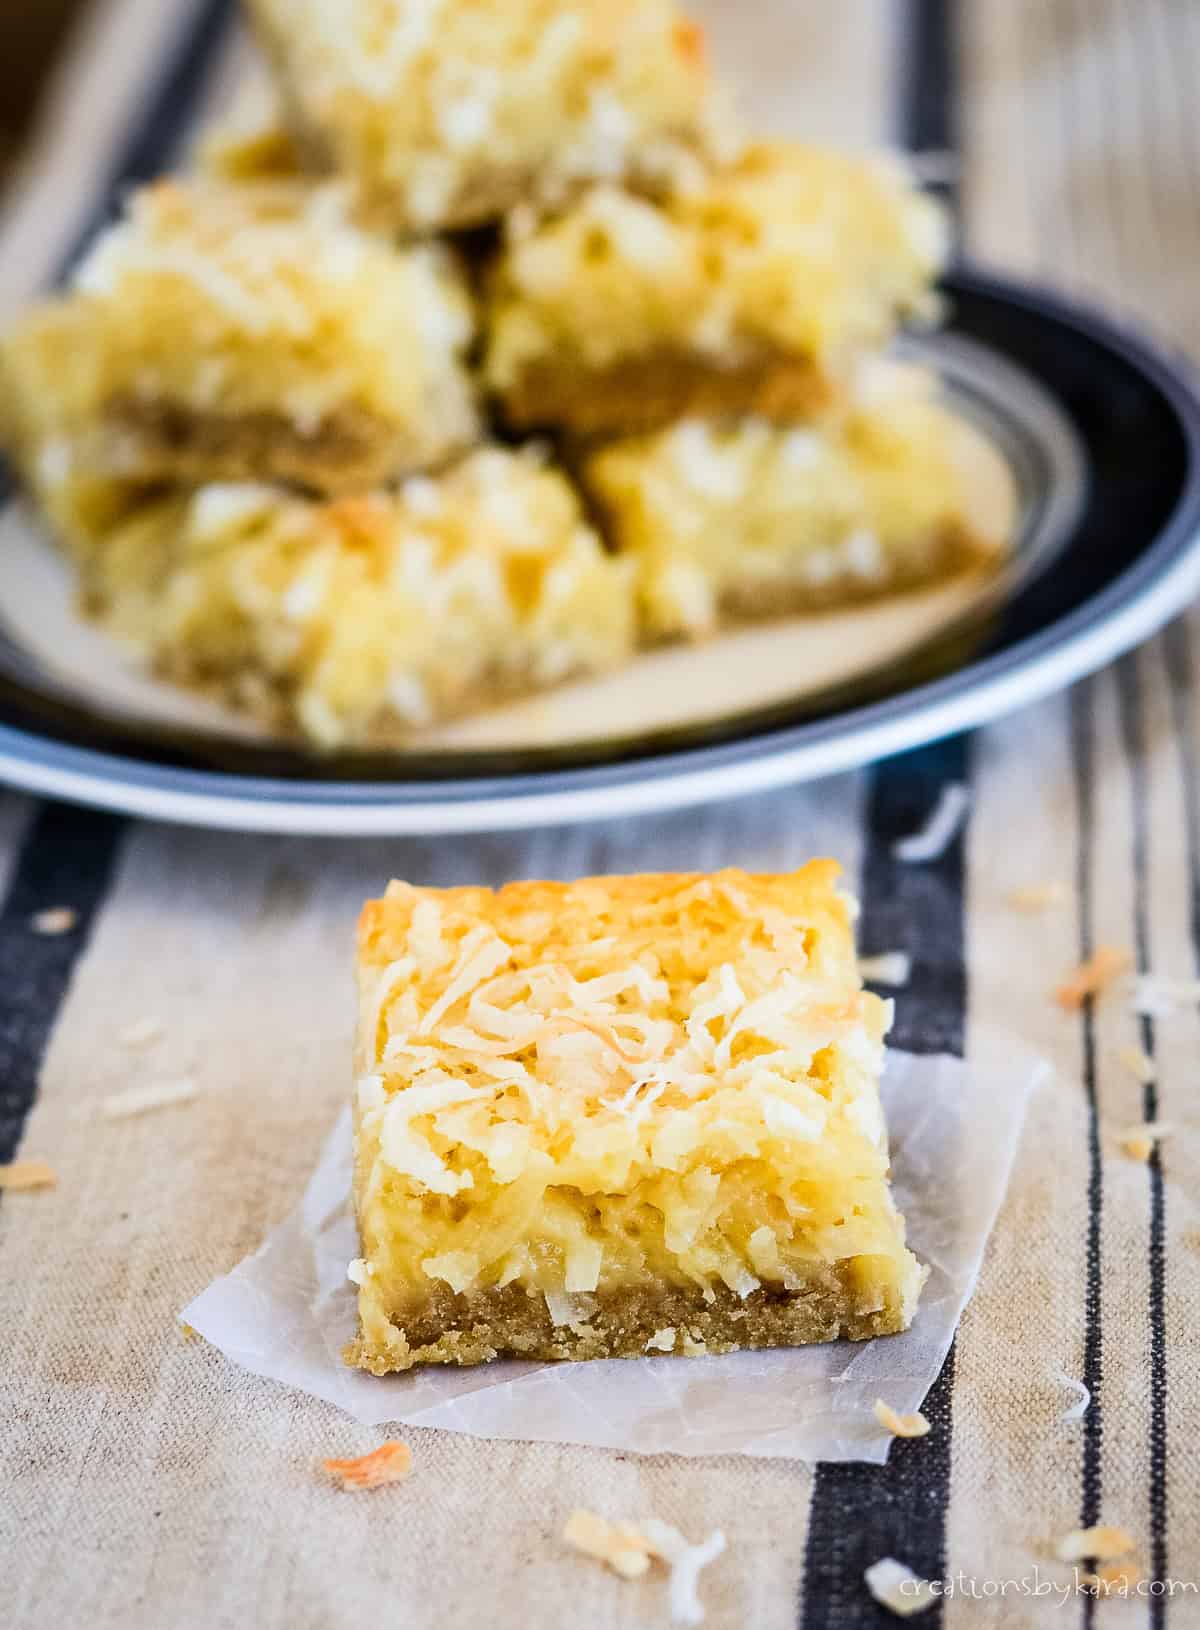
889,968
1083,1399
1102,1543
685,1562
895,1586
662,1341
57,920
1114,1579
1035,897
617,1544
28,1174
1093,977
1139,1141
941,829
1139,1064
390,1463
1158,996
140,1033
121,1106
900,1426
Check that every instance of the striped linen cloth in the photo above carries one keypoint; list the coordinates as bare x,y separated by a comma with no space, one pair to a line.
149,1483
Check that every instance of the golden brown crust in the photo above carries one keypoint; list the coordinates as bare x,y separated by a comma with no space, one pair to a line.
644,393
478,1326
383,923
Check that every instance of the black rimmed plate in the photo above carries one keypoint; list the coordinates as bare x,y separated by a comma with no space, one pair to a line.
1100,436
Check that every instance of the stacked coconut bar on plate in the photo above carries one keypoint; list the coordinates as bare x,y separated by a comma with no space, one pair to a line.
283,414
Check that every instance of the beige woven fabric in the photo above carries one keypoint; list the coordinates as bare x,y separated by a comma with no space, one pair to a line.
149,1483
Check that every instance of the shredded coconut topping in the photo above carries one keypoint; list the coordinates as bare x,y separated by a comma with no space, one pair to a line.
122,1106
1139,1064
141,1033
900,1426
1101,1544
27,1174
1035,897
390,1463
1139,1141
686,1562
1092,978
940,831
618,1544
1158,996
895,1586
1083,1401
58,920
546,1040
888,968
1113,1579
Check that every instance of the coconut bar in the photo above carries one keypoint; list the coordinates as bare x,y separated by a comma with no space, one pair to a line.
356,622
733,520
620,1116
754,291
225,332
445,113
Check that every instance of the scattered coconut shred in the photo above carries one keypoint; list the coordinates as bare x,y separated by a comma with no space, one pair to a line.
1102,1543
121,1106
1139,1141
57,920
900,1426
1035,897
895,1586
390,1463
1158,996
628,1548
941,829
1113,1578
1093,977
28,1174
1083,1398
140,1033
888,968
1139,1064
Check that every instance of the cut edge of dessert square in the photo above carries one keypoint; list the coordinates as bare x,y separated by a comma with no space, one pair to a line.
623,1116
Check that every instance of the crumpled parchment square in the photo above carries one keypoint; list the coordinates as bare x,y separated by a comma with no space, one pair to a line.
286,1312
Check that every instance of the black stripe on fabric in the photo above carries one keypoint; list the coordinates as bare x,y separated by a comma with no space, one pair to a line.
1133,737
160,124
860,1513
68,855
1081,704
928,102
66,859
918,908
